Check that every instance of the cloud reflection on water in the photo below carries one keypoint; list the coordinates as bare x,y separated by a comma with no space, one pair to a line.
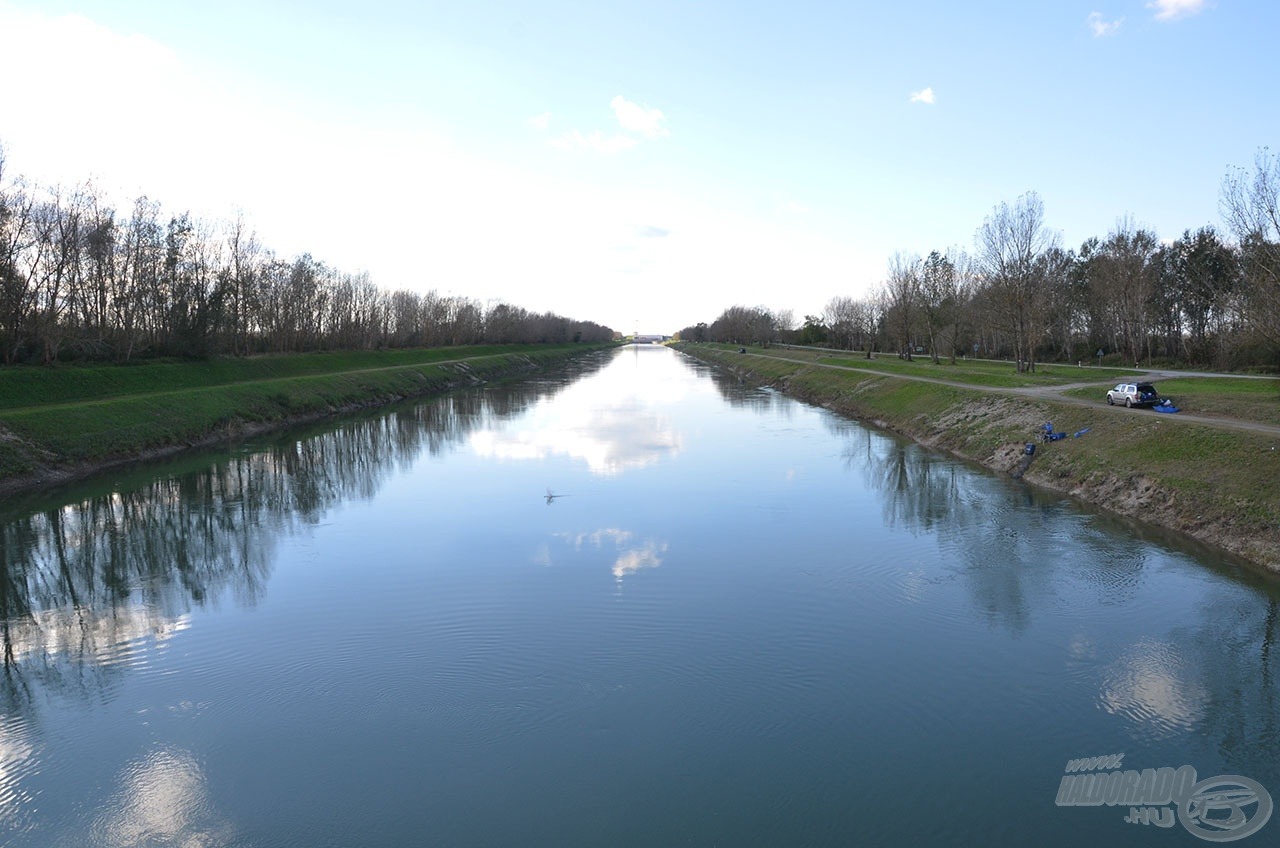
1015,554
611,424
613,542
1151,684
16,761
648,555
162,800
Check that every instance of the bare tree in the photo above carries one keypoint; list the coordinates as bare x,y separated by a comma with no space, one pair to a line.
938,286
841,319
1250,203
59,285
78,279
1203,273
20,247
744,325
903,289
784,320
406,317
959,318
1125,279
872,314
140,257
1010,244
240,284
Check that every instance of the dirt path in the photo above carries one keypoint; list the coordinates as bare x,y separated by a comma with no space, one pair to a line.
1056,394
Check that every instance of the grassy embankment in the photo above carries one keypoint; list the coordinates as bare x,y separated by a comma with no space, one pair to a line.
57,422
1218,485
1217,397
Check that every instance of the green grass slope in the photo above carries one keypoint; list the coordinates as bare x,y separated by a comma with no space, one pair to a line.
62,419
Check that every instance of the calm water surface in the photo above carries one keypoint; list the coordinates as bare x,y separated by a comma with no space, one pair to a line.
740,621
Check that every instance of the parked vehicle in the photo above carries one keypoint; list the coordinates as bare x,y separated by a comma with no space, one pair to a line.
1133,394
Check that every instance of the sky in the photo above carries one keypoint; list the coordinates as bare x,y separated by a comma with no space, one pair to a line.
642,165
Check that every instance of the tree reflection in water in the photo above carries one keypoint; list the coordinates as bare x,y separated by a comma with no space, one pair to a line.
1007,546
1013,554
89,581
736,391
1233,650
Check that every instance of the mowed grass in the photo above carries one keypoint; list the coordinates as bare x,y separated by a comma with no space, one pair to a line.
166,405
976,372
23,386
1248,399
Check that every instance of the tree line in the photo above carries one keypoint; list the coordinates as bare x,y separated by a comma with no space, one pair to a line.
80,279
1204,298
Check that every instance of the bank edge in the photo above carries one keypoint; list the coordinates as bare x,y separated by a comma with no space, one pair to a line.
47,446
1199,481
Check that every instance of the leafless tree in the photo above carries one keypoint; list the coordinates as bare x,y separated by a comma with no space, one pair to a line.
1250,204
1201,275
744,325
939,285
903,289
784,320
1010,245
841,318
20,246
872,315
1125,279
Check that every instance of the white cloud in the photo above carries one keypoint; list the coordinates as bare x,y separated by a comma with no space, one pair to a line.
635,118
1172,10
568,244
540,122
924,95
47,138
597,141
1101,27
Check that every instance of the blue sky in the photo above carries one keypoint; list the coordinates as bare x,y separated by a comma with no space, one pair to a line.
642,165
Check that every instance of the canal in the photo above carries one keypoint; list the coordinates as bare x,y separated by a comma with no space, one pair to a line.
630,603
